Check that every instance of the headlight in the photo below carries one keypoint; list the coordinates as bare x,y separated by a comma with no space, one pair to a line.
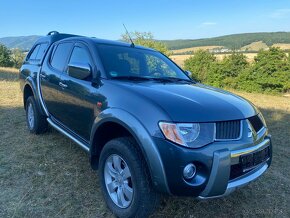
193,135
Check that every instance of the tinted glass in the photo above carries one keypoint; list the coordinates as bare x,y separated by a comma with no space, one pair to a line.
125,61
41,51
60,56
34,53
79,55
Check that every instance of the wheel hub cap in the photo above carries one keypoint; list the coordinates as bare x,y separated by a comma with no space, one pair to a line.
30,116
118,181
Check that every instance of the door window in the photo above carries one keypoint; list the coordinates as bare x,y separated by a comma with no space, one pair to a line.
60,55
81,56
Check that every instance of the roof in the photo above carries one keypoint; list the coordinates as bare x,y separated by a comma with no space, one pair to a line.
54,36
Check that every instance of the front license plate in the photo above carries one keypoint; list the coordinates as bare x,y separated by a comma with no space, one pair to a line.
249,161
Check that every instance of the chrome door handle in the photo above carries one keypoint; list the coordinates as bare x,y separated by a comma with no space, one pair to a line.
62,85
43,76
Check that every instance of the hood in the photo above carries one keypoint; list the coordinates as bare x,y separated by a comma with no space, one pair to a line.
194,102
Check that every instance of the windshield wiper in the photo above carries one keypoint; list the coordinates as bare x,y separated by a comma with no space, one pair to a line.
171,79
132,77
159,79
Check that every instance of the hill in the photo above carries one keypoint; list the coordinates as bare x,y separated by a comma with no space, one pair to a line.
22,42
235,41
255,46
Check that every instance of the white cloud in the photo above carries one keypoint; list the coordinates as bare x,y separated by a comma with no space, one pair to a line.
208,24
280,13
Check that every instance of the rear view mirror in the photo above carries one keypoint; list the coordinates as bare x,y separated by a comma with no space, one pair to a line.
79,70
188,73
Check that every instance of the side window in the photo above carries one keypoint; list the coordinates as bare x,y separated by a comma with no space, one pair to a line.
34,53
60,55
41,51
80,55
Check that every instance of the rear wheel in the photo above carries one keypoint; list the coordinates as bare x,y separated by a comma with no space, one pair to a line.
125,181
36,122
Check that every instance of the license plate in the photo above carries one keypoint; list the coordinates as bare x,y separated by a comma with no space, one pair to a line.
249,161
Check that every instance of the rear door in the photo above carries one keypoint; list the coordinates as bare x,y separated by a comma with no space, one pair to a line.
79,96
50,77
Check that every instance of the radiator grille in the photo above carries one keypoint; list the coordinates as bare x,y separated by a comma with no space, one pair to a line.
228,130
256,122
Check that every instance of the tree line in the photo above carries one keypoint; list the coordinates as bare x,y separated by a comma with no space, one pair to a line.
268,73
10,58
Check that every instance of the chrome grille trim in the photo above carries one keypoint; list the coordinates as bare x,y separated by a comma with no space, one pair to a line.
229,139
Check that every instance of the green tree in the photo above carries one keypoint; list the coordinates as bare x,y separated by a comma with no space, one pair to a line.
234,64
146,39
201,65
270,72
229,69
5,57
17,57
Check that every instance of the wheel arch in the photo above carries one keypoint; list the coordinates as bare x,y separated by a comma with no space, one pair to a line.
125,123
27,92
30,89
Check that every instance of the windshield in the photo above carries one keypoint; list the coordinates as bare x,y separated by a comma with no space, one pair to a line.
129,62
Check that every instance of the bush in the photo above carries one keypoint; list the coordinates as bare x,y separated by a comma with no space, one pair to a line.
17,57
5,57
269,73
201,65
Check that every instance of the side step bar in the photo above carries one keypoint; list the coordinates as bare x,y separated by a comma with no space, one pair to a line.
83,146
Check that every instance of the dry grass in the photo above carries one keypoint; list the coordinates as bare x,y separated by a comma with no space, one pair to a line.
50,176
194,49
179,59
255,46
283,46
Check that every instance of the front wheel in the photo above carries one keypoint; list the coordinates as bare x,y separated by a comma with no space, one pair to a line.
125,181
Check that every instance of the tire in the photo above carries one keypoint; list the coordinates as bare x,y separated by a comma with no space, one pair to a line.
36,122
144,199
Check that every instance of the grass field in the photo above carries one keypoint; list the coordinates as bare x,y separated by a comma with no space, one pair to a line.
194,49
50,176
179,59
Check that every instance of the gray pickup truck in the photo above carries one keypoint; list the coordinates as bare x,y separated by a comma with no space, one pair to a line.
148,127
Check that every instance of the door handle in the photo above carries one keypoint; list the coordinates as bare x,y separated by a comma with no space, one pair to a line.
62,85
43,76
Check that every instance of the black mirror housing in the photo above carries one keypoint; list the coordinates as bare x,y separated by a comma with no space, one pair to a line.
188,73
79,70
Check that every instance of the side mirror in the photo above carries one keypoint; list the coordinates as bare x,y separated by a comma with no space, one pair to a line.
188,73
79,70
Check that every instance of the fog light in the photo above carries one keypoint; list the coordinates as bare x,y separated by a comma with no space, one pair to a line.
189,171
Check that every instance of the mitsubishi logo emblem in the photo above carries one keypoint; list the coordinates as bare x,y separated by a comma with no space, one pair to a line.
251,131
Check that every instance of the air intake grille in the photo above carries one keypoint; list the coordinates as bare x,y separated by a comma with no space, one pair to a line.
228,130
256,122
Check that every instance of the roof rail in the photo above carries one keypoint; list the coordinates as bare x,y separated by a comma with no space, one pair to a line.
52,33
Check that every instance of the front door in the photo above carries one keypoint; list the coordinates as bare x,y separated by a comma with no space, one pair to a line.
78,96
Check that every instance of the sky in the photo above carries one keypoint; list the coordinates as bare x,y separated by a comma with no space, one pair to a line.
179,19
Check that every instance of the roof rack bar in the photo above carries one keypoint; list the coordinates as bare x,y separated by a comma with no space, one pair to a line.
52,33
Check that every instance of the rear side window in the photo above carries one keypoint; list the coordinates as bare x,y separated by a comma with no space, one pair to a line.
41,51
60,55
38,52
34,53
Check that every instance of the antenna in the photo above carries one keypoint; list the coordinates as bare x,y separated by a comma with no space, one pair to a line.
132,43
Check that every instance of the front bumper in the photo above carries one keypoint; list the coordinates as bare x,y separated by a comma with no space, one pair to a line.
214,167
218,170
